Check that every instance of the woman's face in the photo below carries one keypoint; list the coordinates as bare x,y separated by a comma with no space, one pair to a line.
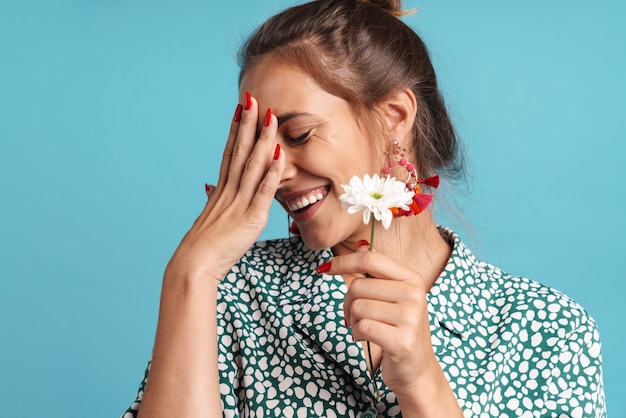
323,146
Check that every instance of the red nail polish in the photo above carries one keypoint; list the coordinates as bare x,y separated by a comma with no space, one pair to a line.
207,189
238,111
345,321
277,152
248,104
268,117
323,268
362,243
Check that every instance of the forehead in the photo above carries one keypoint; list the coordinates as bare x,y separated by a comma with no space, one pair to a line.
276,84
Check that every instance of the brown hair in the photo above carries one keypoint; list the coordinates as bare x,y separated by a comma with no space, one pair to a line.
360,51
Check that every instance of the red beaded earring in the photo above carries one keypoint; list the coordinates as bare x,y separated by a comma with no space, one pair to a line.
396,157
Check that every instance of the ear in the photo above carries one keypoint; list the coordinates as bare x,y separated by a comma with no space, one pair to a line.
398,111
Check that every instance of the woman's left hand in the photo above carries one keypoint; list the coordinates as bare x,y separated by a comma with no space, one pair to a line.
389,309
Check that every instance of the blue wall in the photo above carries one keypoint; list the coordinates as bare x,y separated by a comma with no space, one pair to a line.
113,114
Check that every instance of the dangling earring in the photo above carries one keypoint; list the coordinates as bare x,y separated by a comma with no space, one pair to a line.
396,157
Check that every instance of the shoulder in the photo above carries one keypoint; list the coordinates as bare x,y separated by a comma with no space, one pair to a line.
505,299
530,339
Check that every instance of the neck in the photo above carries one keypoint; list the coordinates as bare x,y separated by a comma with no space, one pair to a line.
413,241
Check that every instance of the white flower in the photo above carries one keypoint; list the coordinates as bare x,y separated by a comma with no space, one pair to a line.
375,195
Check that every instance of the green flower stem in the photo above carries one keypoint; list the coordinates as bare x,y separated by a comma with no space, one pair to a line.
369,349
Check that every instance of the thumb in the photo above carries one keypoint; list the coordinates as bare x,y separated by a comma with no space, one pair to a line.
362,245
209,189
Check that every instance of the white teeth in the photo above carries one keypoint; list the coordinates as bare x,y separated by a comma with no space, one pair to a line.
304,201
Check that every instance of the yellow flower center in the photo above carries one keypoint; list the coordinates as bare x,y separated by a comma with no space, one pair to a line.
376,195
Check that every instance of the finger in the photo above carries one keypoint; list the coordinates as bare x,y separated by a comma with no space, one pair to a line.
363,245
244,142
405,312
382,300
266,190
376,310
396,341
379,289
259,161
372,263
209,189
379,333
230,143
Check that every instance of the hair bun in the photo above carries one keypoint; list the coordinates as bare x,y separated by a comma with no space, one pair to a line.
391,6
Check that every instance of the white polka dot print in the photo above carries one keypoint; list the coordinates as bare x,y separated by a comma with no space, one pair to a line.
509,346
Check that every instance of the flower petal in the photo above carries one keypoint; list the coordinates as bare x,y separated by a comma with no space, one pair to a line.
366,216
386,219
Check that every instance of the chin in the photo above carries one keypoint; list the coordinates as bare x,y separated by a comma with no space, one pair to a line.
316,242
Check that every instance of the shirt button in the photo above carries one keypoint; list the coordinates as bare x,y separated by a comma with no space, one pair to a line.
369,414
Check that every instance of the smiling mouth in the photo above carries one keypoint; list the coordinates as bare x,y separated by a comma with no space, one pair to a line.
302,202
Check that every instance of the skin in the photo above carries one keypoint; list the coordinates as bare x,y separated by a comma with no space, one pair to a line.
388,308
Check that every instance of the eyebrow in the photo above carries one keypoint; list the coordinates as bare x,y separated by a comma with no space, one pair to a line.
287,116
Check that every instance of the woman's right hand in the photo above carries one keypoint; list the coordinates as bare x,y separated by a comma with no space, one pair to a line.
237,210
184,376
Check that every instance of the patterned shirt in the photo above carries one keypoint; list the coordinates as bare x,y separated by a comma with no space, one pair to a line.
508,346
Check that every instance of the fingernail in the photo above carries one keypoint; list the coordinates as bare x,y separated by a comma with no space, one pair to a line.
362,243
276,151
248,103
323,268
238,111
207,189
345,321
268,117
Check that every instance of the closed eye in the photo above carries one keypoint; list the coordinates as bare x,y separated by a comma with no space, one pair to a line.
300,139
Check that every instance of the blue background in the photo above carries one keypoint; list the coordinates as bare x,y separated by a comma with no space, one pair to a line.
113,115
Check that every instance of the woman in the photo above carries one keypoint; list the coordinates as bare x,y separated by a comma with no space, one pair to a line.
329,90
